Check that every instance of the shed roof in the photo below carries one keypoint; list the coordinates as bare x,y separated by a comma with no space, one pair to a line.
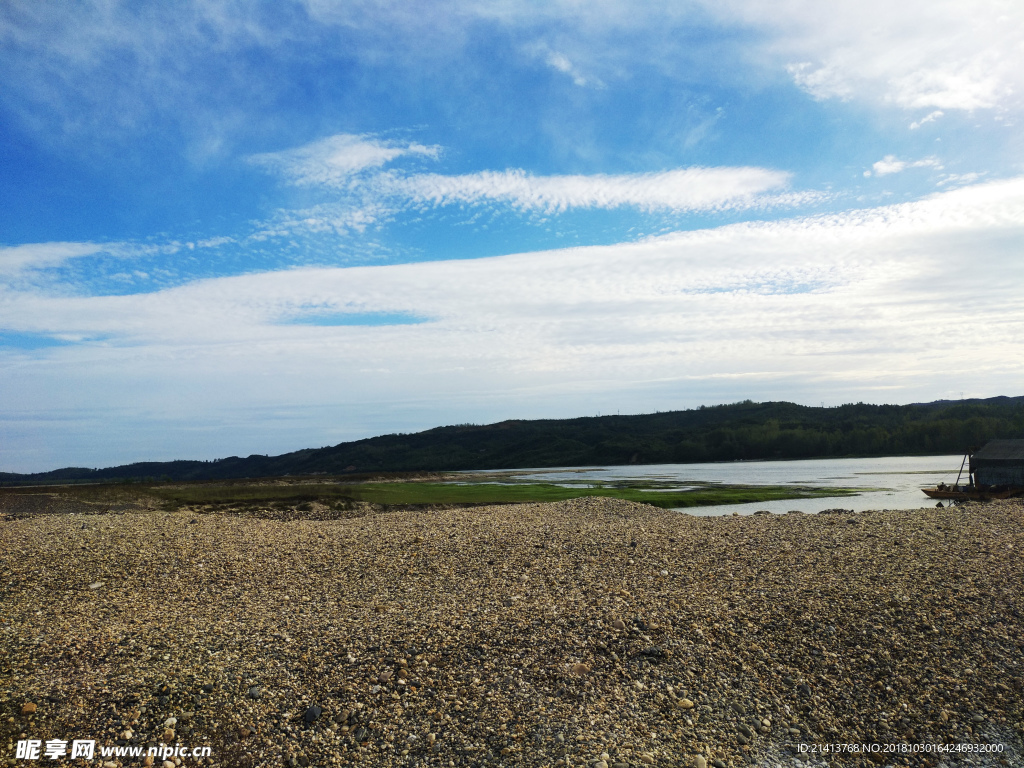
1001,450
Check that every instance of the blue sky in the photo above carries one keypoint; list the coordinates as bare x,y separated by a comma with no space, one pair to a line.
240,227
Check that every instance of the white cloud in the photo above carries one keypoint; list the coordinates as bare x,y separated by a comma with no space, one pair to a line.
333,161
946,55
17,259
891,164
826,296
351,166
929,118
682,189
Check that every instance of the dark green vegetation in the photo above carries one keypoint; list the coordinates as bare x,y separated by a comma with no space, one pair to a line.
744,430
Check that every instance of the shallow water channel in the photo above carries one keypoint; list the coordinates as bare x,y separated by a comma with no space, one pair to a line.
892,482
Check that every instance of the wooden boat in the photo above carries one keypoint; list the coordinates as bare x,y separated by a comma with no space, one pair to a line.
976,489
970,492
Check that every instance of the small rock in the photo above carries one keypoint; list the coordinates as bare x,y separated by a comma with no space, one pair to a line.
685,704
254,693
738,708
127,735
384,676
719,763
647,758
28,709
170,722
312,714
97,584
168,735
168,764
208,688
743,729
619,624
699,761
361,734
148,761
580,669
978,718
599,764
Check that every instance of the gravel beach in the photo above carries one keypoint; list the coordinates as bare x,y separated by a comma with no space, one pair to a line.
593,632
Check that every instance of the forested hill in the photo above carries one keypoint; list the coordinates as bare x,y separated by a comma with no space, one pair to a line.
744,430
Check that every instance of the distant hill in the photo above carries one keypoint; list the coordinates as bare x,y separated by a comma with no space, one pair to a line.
747,431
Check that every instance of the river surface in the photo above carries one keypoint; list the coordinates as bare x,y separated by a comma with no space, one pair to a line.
893,482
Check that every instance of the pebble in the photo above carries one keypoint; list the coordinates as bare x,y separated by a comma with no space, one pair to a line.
28,709
762,605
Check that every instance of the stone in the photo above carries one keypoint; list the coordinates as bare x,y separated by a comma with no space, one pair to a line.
619,624
97,584
255,692
170,722
579,669
148,761
719,763
168,764
168,735
699,761
685,704
361,734
745,730
738,708
28,709
312,714
977,718
208,688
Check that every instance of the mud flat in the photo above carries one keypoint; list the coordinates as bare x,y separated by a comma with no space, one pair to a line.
591,632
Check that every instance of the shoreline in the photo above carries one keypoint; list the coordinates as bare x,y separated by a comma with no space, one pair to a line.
533,634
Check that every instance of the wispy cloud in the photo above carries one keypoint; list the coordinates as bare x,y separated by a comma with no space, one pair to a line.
891,164
334,160
353,164
18,259
931,117
677,190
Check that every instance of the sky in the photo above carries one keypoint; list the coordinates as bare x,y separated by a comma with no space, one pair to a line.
234,228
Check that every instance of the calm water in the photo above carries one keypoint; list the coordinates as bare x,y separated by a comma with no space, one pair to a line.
898,480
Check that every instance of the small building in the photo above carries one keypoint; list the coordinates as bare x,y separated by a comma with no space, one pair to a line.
1000,462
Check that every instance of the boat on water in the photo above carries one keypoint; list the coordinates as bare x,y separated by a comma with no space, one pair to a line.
993,472
970,493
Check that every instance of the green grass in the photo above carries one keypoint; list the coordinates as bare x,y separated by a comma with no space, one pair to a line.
415,493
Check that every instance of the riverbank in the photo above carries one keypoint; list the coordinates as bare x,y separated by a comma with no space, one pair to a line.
537,634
